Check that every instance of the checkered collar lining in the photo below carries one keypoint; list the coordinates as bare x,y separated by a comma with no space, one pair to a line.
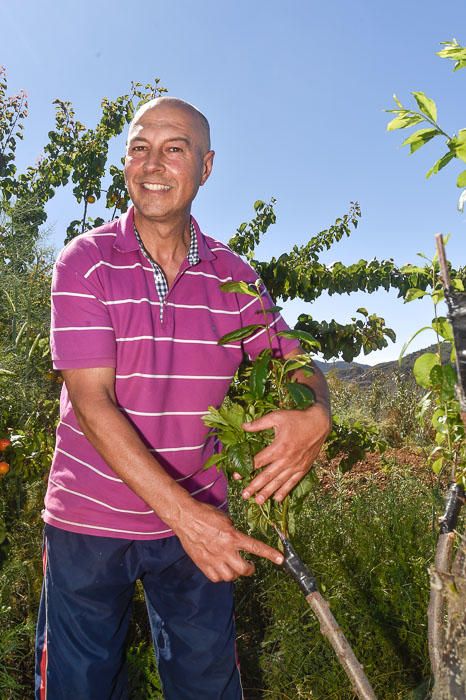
159,275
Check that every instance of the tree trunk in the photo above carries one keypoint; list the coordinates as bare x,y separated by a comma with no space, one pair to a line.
451,676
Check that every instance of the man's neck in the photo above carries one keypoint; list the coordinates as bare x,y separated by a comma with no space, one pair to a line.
167,243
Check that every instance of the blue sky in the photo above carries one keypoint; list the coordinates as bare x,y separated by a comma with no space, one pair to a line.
295,93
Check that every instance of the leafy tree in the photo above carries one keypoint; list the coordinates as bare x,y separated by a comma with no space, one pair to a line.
74,153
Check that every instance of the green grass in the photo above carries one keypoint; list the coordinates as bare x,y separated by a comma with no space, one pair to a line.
370,555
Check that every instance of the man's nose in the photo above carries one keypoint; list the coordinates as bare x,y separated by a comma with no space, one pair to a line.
154,160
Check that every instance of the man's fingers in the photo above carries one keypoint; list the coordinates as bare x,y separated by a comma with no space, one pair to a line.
271,487
285,489
263,423
276,474
265,456
260,549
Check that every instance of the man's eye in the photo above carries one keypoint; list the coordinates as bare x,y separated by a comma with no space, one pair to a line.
175,149
138,148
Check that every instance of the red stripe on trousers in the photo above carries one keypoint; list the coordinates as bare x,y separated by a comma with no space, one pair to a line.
43,660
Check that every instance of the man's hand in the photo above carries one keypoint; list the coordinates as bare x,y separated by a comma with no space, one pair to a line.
211,541
299,436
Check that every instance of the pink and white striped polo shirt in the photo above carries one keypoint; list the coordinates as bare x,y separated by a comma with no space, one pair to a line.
169,369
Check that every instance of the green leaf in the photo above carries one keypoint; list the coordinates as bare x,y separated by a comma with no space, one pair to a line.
423,367
301,335
443,327
239,288
301,362
454,52
259,373
404,120
362,311
240,459
413,294
438,295
419,138
426,105
258,204
437,465
410,269
441,163
458,144
234,414
457,284
302,395
461,180
303,488
271,310
214,461
240,333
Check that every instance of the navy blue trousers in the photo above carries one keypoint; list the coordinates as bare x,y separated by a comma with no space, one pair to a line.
85,610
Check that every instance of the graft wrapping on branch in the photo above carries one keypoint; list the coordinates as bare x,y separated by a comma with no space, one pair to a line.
453,505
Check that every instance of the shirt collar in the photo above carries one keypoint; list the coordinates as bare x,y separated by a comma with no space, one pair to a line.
126,240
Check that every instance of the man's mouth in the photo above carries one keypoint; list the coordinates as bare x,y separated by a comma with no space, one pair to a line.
155,187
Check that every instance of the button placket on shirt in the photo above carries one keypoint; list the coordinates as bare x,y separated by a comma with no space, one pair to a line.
160,281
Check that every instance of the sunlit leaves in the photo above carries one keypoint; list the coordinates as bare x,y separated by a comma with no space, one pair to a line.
454,52
458,145
413,294
443,327
426,105
347,340
441,163
403,119
423,367
461,179
239,288
73,153
419,138
248,234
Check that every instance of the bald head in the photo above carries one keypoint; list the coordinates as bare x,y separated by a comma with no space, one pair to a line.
159,103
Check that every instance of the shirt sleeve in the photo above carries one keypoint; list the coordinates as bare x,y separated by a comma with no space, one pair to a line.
82,335
251,313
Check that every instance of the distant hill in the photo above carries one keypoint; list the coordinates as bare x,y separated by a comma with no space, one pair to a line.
364,375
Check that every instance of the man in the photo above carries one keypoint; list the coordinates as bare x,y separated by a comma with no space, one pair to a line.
137,312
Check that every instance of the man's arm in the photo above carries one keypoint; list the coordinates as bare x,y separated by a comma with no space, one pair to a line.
299,436
207,534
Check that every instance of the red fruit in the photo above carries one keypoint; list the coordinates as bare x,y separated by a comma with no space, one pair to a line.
4,443
4,468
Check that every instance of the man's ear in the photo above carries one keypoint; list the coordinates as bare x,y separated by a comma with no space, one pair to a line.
207,164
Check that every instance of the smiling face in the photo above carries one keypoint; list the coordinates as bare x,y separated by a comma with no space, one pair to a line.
168,158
